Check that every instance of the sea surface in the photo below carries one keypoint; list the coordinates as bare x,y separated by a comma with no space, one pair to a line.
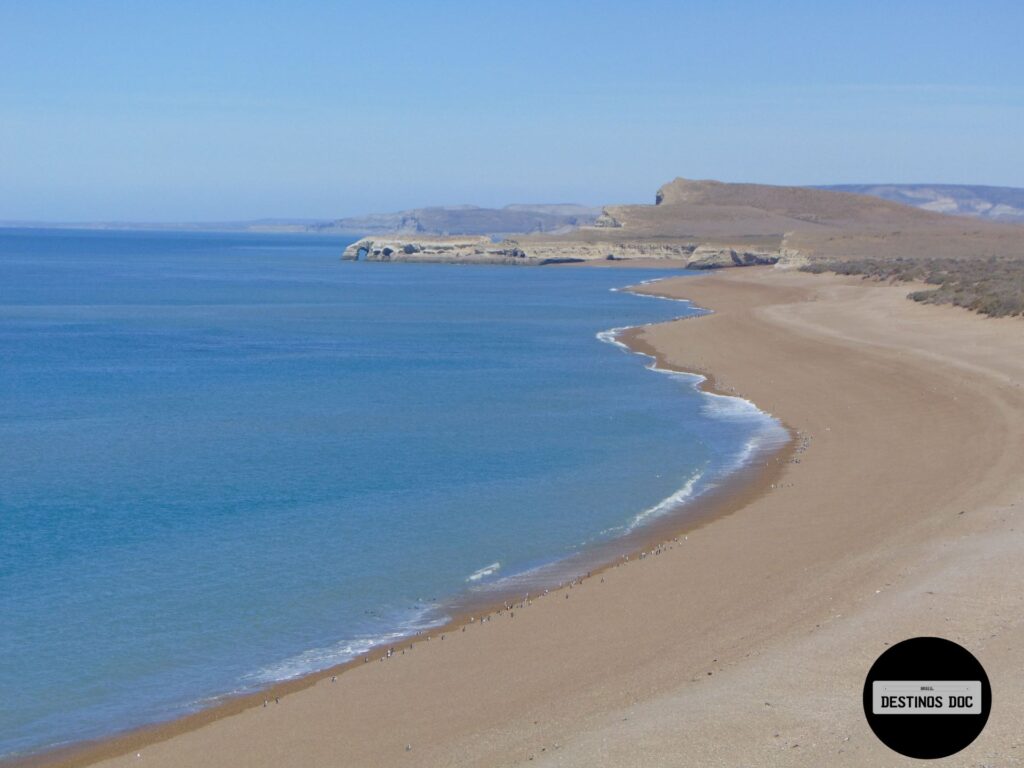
231,459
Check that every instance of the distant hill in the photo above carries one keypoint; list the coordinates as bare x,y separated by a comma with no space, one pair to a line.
469,220
996,203
701,209
799,223
521,219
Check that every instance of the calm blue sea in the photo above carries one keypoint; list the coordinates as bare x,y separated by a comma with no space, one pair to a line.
231,459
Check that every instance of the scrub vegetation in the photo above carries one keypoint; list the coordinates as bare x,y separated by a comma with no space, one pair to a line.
990,285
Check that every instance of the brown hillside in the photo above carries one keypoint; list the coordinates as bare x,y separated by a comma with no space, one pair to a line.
799,204
813,222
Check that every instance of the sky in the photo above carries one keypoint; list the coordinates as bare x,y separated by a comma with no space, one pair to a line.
215,111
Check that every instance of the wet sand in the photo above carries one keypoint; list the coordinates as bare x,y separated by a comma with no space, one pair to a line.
747,640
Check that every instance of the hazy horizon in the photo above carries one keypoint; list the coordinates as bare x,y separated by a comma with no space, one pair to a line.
119,113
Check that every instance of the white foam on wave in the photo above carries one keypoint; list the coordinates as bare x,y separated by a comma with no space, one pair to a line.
487,570
662,297
669,503
731,407
770,433
611,336
316,659
716,405
749,448
648,281
528,578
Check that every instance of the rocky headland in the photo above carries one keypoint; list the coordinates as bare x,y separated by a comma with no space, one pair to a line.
710,225
482,250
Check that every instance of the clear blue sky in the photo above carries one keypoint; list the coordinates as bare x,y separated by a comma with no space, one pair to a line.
221,110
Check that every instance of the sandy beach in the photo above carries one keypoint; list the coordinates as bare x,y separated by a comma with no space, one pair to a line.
746,641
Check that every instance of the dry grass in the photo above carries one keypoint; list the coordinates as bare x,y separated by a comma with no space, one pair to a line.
992,286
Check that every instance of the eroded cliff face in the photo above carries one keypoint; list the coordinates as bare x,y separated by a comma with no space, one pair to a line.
482,250
715,257
470,250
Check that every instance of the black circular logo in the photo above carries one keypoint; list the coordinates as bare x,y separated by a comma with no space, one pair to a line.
927,697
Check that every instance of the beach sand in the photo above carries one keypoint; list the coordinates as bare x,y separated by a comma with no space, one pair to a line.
747,641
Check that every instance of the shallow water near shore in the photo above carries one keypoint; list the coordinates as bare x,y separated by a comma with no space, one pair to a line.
228,460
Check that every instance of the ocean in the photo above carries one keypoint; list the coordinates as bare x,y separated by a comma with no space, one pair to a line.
232,459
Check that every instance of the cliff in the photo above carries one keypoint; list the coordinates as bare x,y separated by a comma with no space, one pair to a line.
476,250
482,250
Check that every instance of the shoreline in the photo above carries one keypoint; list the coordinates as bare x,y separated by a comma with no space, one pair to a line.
746,641
752,477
